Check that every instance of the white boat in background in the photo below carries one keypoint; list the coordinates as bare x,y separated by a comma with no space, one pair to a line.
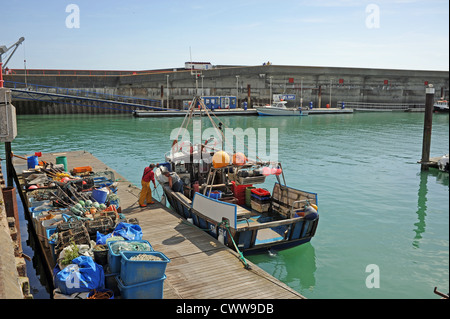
440,106
279,108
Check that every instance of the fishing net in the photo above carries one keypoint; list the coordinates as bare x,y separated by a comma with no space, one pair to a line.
125,245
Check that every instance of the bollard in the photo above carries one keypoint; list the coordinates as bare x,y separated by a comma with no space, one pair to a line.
427,125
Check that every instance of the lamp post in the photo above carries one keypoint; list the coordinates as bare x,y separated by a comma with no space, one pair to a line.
331,82
301,92
167,105
237,90
270,94
202,83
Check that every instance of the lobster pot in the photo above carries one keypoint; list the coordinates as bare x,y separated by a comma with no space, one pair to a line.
79,236
103,225
74,224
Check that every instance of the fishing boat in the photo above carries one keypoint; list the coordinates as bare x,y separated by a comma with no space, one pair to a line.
279,108
220,195
440,106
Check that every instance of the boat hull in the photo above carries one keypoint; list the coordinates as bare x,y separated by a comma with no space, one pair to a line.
438,109
270,111
247,236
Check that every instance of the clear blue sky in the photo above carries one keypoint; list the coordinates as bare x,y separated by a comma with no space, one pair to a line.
152,34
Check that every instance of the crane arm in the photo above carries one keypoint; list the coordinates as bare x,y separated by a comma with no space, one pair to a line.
4,49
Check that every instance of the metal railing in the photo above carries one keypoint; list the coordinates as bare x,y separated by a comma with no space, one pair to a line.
81,93
383,106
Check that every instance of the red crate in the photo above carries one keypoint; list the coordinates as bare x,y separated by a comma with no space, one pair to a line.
260,192
239,190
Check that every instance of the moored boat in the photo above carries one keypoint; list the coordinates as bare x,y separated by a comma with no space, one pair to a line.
440,106
279,108
220,195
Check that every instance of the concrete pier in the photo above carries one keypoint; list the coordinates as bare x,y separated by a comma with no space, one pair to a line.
201,267
14,283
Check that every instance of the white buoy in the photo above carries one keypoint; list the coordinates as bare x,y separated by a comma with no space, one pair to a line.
221,239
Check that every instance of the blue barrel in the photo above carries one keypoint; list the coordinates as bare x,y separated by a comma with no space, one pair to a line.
32,161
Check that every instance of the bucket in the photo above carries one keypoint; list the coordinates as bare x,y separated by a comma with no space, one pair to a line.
248,196
99,195
32,161
101,254
62,160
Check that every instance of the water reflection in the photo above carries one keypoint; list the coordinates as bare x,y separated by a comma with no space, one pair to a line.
420,225
295,267
421,208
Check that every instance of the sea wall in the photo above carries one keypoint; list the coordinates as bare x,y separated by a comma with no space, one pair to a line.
10,281
319,85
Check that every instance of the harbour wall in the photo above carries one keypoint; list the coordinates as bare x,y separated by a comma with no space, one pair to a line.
254,84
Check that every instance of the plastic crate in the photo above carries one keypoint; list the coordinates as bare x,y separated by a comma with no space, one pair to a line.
82,169
214,194
239,189
136,271
260,192
262,208
260,199
114,259
145,290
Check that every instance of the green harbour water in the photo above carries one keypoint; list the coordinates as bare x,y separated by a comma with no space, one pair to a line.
376,207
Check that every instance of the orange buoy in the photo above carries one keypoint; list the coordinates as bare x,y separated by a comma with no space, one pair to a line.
220,159
239,159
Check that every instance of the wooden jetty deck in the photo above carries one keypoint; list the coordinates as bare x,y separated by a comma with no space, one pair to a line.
200,267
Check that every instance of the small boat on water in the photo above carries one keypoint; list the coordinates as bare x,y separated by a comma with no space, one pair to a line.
440,106
443,163
279,108
220,195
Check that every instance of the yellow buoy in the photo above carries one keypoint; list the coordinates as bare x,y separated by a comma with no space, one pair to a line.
220,159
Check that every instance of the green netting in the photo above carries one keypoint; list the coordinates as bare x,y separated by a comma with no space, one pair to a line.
125,245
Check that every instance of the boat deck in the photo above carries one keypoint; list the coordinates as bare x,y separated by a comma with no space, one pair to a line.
200,267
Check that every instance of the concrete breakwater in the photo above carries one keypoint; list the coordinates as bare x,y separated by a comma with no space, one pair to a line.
252,84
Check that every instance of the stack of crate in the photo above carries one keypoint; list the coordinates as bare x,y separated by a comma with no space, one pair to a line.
239,192
260,200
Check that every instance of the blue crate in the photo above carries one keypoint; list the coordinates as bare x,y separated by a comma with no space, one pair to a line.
260,198
152,289
214,194
114,259
136,271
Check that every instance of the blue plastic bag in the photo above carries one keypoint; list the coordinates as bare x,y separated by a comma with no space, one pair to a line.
80,276
128,231
101,239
